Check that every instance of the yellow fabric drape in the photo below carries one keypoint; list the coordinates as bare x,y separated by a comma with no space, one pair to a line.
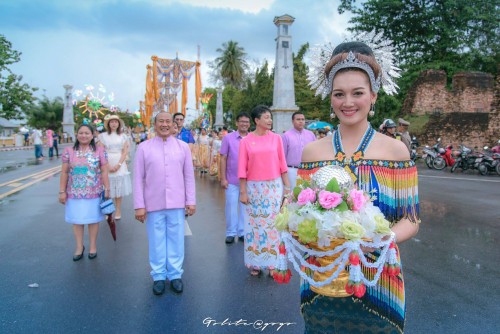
146,117
142,111
197,85
184,96
155,78
149,96
174,107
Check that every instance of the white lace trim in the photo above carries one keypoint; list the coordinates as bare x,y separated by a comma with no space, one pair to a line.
296,251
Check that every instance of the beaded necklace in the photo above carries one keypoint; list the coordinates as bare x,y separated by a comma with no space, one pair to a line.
340,156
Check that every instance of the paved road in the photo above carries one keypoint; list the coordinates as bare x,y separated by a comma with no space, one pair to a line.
451,269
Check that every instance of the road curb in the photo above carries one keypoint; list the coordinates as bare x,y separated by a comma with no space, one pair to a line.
15,148
20,148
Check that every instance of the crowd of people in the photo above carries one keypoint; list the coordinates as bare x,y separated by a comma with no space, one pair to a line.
258,170
48,138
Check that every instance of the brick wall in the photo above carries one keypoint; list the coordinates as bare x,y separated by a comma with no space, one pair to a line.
467,114
470,129
471,92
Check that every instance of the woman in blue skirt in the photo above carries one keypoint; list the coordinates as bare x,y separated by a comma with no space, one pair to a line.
83,175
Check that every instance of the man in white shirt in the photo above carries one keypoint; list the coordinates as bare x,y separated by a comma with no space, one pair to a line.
37,141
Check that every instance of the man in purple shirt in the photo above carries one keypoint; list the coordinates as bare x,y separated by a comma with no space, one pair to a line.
164,191
235,221
294,141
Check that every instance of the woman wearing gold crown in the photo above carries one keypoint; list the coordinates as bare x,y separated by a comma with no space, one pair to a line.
351,75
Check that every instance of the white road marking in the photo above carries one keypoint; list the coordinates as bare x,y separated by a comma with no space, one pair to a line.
37,178
458,178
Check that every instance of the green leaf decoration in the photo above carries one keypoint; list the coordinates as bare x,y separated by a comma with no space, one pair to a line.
296,192
333,186
342,207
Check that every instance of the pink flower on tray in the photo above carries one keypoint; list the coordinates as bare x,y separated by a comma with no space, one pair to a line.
357,199
329,200
306,196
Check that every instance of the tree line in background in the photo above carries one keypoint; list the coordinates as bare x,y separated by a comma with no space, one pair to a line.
15,95
257,88
449,35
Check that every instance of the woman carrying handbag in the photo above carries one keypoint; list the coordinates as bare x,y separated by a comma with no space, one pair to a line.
84,174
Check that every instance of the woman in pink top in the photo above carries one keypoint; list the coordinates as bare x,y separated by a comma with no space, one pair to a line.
50,142
262,171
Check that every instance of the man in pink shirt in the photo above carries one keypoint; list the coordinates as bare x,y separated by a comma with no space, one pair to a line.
235,211
164,191
294,141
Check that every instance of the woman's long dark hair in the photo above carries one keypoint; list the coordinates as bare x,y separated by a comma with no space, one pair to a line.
76,147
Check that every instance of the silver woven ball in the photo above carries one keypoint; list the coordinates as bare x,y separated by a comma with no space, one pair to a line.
321,178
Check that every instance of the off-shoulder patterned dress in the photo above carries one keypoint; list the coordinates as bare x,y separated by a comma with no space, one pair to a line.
382,308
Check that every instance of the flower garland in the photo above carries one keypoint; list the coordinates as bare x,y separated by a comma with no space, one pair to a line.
350,254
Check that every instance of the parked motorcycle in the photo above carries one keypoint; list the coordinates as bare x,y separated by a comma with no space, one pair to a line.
413,149
444,158
431,153
465,160
490,162
479,159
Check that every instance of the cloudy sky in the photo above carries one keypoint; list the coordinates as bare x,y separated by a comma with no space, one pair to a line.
110,42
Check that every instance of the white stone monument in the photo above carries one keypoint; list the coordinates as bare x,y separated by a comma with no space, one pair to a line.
284,91
68,122
219,114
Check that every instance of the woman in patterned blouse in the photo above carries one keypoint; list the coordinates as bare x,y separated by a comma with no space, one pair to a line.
83,175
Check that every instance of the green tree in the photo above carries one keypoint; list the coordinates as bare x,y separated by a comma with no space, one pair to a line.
312,106
15,96
258,91
47,114
387,106
231,64
451,35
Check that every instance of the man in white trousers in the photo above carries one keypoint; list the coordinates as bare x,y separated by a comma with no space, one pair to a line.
164,191
235,221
